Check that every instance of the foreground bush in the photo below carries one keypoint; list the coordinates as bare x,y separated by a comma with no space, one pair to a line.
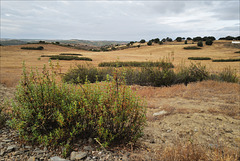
33,48
51,113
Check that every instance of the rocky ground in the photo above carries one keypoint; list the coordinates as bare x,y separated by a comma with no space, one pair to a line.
206,113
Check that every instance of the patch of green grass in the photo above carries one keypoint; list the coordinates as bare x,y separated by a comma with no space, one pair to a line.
65,57
33,48
70,54
226,60
199,58
137,64
191,48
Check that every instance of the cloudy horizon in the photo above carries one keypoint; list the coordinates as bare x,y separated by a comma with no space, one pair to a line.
118,20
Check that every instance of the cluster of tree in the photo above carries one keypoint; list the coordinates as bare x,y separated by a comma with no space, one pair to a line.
167,39
205,38
229,38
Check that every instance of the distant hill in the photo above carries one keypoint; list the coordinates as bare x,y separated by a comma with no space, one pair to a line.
5,42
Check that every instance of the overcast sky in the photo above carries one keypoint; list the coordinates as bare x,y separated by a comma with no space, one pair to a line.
118,20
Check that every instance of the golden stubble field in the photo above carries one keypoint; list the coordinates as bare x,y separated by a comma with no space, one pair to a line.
206,114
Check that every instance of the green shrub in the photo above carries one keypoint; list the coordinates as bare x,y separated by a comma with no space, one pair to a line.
178,39
209,42
185,42
200,44
237,52
145,76
65,57
33,48
149,43
191,48
193,73
156,40
82,73
142,41
51,113
160,42
199,58
137,64
225,60
226,75
70,54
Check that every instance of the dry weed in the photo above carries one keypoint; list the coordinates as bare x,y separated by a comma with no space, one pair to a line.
197,152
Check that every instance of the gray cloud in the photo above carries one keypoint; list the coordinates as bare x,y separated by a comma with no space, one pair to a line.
117,20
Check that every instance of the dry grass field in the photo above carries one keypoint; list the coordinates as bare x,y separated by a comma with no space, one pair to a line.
201,116
13,56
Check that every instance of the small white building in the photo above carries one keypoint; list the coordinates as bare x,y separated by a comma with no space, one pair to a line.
235,42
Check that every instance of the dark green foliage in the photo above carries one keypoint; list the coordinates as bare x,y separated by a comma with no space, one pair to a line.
198,38
199,58
138,46
70,54
156,40
205,38
169,39
149,43
227,38
191,48
185,42
200,44
131,42
178,39
82,73
148,75
189,38
225,60
209,42
55,114
142,41
65,57
137,64
33,48
41,42
160,42
237,52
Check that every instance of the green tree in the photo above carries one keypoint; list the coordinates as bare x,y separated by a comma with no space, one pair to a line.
178,39
149,43
200,44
